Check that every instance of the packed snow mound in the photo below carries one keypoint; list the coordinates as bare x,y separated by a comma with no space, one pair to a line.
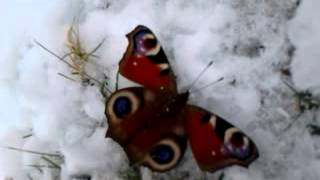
52,114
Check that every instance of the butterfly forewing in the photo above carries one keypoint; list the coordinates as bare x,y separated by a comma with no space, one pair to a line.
215,143
145,62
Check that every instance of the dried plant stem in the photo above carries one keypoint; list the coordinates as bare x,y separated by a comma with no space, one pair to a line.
67,77
51,162
69,64
34,152
42,166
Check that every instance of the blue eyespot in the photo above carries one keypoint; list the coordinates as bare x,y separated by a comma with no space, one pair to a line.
122,106
162,154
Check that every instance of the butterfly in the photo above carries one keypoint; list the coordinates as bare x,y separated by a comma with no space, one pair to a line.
154,123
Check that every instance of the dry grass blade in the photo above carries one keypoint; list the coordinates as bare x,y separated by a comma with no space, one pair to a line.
34,152
305,101
77,54
42,166
295,119
69,64
67,77
77,57
27,136
51,162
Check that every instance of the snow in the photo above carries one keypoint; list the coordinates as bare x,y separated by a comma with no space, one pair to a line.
304,29
250,42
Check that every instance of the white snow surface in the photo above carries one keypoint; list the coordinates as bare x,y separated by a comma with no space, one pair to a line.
251,43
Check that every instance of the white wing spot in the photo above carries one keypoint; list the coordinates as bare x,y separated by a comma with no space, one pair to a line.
161,88
213,153
212,121
148,36
164,66
229,133
135,63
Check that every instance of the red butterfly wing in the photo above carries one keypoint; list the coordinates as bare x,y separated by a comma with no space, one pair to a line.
152,122
215,143
128,114
145,62
160,147
140,122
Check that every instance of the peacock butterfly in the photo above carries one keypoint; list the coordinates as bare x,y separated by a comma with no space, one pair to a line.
154,123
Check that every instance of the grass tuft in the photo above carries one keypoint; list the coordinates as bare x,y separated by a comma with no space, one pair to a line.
305,102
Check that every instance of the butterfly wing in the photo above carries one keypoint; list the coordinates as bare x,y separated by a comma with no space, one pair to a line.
139,121
152,124
145,62
159,147
215,143
127,113
137,117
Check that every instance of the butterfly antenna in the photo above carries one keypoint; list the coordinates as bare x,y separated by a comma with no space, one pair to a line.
200,74
208,85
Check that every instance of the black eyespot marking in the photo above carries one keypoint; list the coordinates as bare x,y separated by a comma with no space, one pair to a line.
222,126
159,58
237,139
149,43
237,144
205,118
162,154
122,106
164,72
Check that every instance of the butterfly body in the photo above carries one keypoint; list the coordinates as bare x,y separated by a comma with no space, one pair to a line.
154,123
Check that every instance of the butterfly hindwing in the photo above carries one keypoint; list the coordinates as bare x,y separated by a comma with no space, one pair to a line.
141,124
159,147
127,111
145,62
215,143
